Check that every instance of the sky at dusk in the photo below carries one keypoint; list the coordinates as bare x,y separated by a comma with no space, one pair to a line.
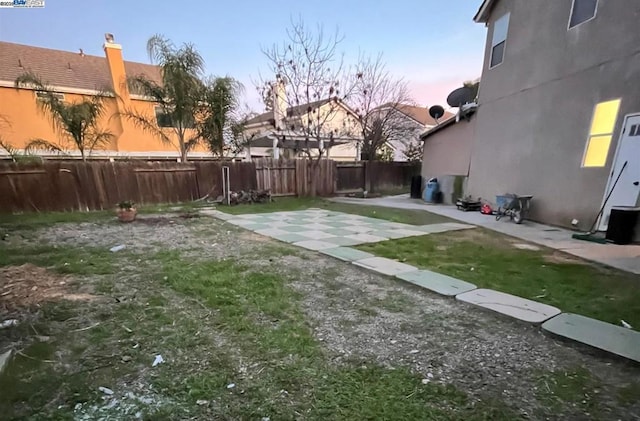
433,45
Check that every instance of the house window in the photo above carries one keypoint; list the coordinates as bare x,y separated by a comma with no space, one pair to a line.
582,11
601,133
43,96
499,40
163,119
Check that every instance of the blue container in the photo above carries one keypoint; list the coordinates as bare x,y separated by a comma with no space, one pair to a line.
432,190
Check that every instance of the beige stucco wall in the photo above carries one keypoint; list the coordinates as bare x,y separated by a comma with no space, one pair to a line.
448,151
334,118
536,107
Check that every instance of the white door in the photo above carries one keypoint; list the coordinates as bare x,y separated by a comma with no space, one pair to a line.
627,190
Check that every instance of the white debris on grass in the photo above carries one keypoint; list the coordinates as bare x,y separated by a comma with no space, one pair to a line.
625,324
8,323
157,360
117,248
105,390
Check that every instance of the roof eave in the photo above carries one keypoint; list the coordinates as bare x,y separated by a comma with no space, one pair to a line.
483,13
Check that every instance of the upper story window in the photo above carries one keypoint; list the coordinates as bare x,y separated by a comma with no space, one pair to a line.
582,11
163,119
499,40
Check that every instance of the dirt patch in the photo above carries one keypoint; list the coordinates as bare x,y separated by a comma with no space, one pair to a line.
563,258
26,286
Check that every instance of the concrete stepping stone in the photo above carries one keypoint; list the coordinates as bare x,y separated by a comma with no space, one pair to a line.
606,336
347,254
316,227
289,237
510,305
409,232
358,229
391,234
342,241
217,214
316,235
271,232
294,228
366,238
437,282
314,245
257,226
384,266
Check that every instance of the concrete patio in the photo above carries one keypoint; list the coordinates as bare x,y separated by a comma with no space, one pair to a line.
626,258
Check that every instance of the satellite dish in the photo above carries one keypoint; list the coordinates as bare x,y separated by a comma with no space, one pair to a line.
460,96
436,112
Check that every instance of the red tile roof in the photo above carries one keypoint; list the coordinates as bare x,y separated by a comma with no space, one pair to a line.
64,68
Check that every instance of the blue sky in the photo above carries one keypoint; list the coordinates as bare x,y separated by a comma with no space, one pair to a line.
433,44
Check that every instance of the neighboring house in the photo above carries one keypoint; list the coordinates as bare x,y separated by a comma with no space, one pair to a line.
411,121
447,155
270,134
74,75
559,107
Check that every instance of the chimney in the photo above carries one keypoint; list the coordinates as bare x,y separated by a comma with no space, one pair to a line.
113,52
279,103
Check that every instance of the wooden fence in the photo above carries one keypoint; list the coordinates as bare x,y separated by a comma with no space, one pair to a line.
62,185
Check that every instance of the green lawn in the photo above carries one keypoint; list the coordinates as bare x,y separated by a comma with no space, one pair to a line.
413,217
489,260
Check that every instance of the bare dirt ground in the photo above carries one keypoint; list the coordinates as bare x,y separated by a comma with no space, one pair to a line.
364,316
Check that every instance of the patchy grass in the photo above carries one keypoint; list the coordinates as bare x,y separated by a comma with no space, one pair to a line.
30,221
629,394
36,220
413,217
489,260
576,386
215,322
69,260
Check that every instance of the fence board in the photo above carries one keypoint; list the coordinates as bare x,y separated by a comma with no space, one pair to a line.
60,185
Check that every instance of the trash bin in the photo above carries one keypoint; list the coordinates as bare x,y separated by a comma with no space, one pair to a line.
431,192
416,186
622,223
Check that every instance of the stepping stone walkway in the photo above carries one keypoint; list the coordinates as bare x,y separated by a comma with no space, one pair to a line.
331,233
516,307
436,282
384,266
347,254
606,336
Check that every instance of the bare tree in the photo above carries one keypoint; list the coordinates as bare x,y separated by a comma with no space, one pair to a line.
378,98
305,91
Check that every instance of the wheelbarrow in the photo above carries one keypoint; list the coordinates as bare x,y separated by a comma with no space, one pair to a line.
514,206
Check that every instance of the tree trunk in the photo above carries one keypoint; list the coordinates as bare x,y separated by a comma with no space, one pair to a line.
367,176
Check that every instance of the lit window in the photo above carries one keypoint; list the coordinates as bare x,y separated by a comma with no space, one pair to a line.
499,40
582,11
601,133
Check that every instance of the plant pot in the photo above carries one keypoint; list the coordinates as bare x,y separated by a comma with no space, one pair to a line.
127,215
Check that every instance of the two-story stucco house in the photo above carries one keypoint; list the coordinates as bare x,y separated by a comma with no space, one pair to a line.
74,76
279,132
559,106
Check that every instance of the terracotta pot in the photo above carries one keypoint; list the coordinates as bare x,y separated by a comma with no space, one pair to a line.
127,215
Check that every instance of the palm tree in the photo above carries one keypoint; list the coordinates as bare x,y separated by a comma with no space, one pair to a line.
178,95
218,122
75,122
